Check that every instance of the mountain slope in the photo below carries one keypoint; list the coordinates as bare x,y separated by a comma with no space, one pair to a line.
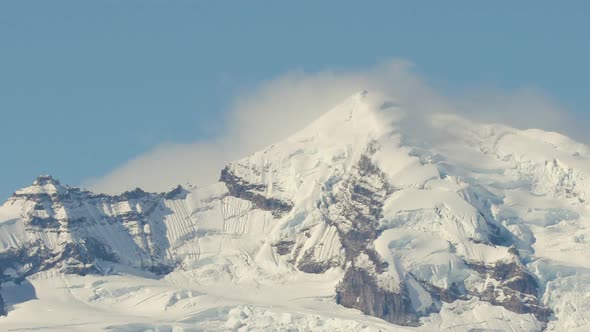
448,224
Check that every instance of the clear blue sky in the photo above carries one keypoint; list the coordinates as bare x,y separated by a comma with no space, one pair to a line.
84,85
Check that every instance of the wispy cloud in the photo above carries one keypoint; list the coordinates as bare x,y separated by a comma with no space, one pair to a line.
279,107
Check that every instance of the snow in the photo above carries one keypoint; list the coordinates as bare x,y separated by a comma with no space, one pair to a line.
134,303
448,198
480,316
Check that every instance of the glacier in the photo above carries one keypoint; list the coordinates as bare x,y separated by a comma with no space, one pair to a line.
361,221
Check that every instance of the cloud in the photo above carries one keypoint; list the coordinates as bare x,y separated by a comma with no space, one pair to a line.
279,107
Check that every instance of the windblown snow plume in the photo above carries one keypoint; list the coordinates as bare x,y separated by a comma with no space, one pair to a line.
356,222
280,107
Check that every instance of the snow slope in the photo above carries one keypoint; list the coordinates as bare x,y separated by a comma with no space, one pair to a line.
360,221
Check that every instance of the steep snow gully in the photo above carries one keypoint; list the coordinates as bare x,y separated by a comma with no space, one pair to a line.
356,222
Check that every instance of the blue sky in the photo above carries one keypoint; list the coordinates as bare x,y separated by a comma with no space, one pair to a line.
87,85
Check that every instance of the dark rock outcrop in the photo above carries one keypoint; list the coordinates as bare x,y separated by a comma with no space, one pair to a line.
355,209
516,302
84,254
27,260
453,293
511,274
240,188
79,258
2,306
48,222
359,207
309,264
43,180
359,290
284,247
517,290
176,193
136,193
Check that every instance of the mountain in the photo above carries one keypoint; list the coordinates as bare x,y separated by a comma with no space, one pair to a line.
370,218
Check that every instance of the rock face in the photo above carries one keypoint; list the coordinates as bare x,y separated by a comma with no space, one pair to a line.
253,193
408,229
2,307
355,209
359,289
73,229
516,289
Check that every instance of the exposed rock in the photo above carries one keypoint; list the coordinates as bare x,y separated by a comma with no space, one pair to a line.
284,247
79,250
511,274
27,260
75,258
240,188
308,264
359,290
2,306
177,193
357,208
43,180
88,250
517,302
137,193
351,201
517,290
78,258
448,295
161,269
513,250
48,222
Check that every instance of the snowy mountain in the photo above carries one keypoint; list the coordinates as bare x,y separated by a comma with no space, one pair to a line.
367,219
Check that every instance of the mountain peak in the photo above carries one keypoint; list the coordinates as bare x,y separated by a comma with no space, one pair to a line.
480,222
43,180
43,184
362,115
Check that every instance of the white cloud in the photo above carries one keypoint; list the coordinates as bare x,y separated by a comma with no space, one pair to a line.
279,107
